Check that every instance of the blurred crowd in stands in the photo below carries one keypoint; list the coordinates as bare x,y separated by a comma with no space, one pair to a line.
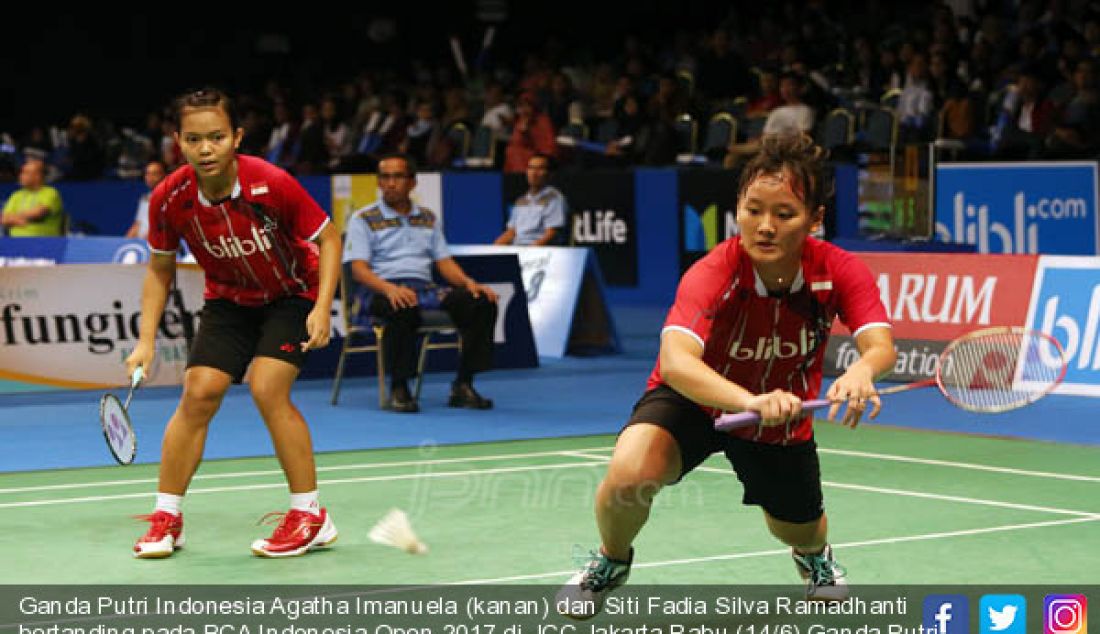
1000,80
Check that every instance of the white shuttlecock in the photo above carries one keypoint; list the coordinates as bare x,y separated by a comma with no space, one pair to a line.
395,530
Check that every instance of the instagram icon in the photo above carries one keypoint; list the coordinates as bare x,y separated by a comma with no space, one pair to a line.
1065,614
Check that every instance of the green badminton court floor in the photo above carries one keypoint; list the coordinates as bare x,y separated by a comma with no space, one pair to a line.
905,507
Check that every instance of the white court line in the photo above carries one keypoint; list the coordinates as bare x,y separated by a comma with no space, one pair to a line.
786,551
960,465
577,454
279,472
282,485
413,463
698,560
903,492
939,463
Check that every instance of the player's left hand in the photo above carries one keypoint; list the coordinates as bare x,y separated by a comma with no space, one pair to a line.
319,328
856,389
477,290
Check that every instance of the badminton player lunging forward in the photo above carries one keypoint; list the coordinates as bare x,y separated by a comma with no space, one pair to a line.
748,331
271,259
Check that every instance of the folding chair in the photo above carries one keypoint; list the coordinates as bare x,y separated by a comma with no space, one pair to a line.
459,136
721,131
482,152
435,322
839,129
686,131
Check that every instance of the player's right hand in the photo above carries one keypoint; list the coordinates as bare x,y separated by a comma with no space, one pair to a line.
776,407
400,296
141,356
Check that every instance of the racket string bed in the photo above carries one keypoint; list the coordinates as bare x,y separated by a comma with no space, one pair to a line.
998,370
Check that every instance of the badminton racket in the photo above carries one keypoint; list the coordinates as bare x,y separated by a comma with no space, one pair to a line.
988,371
114,417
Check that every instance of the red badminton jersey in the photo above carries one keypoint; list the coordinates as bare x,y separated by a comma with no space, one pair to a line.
255,247
764,343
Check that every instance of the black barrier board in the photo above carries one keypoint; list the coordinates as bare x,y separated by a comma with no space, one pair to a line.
707,210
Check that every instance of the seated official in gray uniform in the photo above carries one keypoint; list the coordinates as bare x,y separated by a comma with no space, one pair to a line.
391,246
538,217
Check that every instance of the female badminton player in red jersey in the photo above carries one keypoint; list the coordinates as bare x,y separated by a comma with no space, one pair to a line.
748,331
271,259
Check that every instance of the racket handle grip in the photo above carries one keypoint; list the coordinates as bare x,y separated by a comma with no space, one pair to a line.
137,377
729,422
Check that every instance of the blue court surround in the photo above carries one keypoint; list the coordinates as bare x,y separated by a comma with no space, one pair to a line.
564,397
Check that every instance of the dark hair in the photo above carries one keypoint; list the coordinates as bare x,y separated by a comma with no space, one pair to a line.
793,76
205,98
410,162
797,155
157,161
546,157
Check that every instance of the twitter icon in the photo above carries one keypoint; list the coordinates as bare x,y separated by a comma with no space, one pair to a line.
1003,614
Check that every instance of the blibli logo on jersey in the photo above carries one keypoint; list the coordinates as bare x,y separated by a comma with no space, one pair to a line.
235,247
1067,307
774,346
973,226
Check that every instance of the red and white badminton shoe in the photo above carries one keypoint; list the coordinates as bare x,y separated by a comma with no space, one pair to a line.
164,536
298,532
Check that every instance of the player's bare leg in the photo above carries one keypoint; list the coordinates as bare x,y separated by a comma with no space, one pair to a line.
306,526
181,452
185,436
270,381
646,458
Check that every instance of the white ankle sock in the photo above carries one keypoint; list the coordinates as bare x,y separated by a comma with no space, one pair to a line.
169,502
305,502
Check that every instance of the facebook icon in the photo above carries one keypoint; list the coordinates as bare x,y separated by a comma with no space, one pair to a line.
946,614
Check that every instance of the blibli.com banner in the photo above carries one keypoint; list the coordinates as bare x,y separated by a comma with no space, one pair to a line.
1065,303
1048,208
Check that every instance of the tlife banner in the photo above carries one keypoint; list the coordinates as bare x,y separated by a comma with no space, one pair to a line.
1048,208
601,216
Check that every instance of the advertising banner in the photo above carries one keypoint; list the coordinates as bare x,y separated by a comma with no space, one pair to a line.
1065,303
73,326
707,210
554,279
934,298
74,250
1048,208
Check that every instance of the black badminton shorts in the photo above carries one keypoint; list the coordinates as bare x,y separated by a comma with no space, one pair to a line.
785,480
230,335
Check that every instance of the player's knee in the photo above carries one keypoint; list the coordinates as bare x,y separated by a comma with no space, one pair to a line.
630,485
201,400
268,394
